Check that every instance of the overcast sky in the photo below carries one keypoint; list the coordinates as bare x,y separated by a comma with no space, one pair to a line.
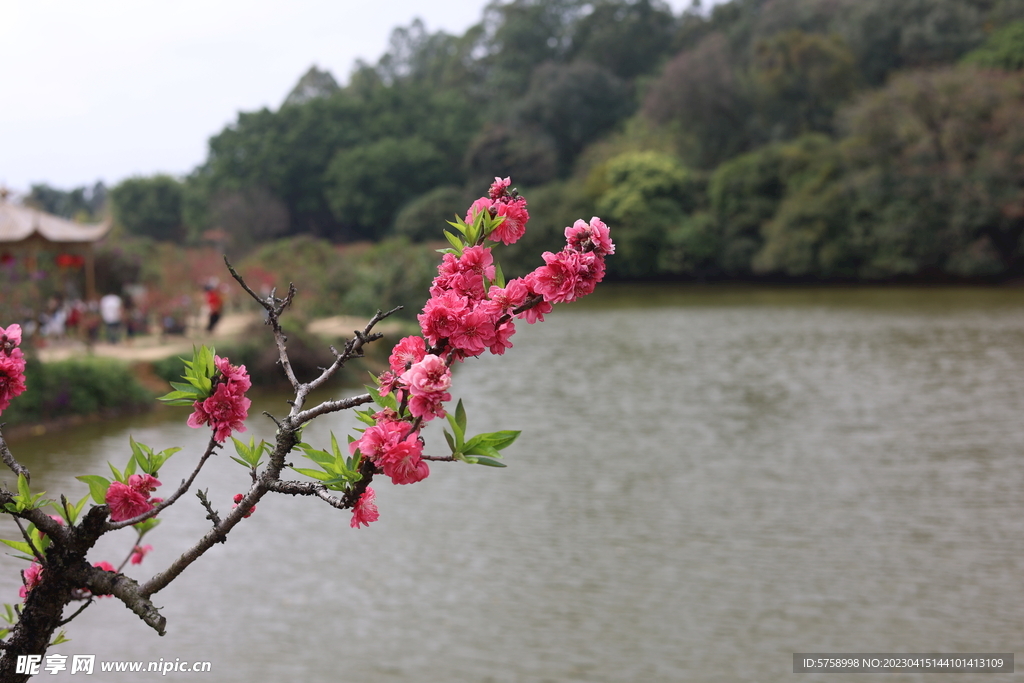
106,89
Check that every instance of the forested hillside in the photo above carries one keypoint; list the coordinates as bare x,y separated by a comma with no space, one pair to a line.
818,139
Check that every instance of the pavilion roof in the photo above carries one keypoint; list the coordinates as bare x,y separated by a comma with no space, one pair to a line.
21,223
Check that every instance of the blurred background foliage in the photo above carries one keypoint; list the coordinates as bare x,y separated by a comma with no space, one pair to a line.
784,139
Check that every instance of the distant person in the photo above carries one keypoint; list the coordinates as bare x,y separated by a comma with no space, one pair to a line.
215,303
112,312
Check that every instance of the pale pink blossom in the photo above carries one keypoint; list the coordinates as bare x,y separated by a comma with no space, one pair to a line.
11,336
31,578
140,552
126,502
365,510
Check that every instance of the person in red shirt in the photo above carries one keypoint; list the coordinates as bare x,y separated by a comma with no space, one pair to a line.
215,303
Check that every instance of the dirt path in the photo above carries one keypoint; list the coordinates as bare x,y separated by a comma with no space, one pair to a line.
231,327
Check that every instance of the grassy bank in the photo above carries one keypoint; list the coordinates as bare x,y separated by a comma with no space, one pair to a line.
76,387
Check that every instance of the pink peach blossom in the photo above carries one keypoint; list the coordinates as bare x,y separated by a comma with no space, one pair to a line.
482,204
140,552
514,294
475,334
225,411
235,375
365,510
143,483
428,376
499,187
31,577
126,502
514,225
594,237
11,336
442,315
406,352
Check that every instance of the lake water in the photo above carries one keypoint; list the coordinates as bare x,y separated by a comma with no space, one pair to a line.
708,481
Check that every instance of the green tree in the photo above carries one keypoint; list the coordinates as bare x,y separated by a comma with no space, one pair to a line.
149,207
424,218
368,184
81,203
629,38
801,79
649,195
937,161
886,36
1004,49
574,104
700,94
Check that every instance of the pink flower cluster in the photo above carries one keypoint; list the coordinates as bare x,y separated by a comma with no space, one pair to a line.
394,447
132,499
12,365
576,270
465,316
226,409
500,201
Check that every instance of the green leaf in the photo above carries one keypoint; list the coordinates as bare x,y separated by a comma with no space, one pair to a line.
117,473
384,401
499,277
451,441
503,439
316,474
484,460
23,490
454,241
97,487
146,525
20,546
460,416
60,638
459,432
482,449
